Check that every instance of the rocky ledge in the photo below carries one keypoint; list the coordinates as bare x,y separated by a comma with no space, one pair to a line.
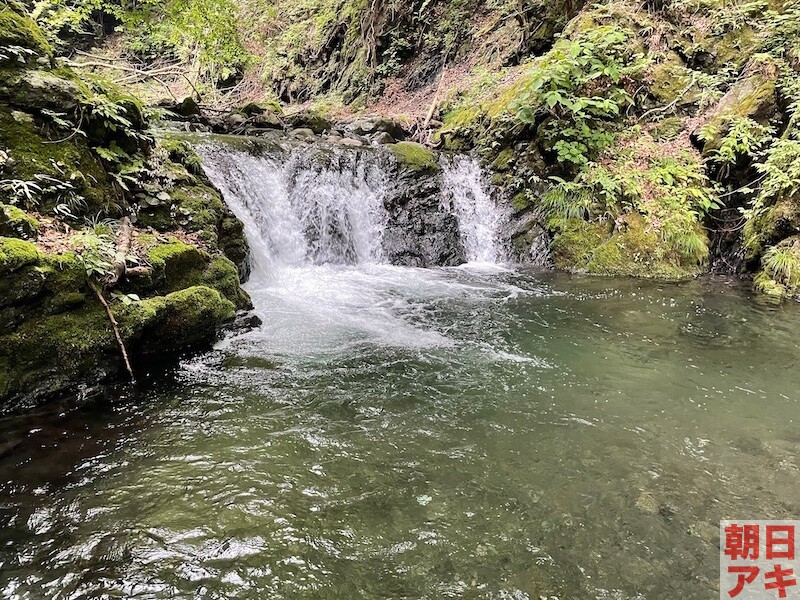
114,247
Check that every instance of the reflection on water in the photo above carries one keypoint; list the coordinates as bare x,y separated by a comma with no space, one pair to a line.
389,432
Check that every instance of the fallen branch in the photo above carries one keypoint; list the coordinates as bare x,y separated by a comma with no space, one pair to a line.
435,102
115,326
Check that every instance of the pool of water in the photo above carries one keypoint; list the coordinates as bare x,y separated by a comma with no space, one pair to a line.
406,433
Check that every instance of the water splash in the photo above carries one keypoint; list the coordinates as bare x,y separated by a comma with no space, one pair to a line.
479,218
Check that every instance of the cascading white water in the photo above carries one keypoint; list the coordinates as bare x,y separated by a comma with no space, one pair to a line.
315,220
479,217
308,207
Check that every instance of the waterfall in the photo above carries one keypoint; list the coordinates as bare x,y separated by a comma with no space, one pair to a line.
479,218
318,204
307,206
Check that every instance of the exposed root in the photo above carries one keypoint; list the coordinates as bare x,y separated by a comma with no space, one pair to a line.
123,250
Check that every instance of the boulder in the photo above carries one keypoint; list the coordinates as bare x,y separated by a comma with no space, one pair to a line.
308,120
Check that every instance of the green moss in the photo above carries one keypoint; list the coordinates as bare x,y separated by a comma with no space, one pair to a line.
48,354
177,320
574,243
764,284
15,222
504,161
671,80
17,28
15,254
199,207
462,116
178,265
520,202
668,129
176,262
413,156
222,275
634,250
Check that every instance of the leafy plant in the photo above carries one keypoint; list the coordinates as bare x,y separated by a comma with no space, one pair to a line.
21,190
98,251
577,84
744,138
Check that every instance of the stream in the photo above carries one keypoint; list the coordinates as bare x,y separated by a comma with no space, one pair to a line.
482,431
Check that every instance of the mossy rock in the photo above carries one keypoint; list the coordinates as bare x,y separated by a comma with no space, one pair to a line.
413,156
672,82
753,96
177,265
779,276
40,90
15,254
50,354
634,250
574,243
259,108
764,284
176,321
15,222
504,161
47,285
17,28
309,120
667,129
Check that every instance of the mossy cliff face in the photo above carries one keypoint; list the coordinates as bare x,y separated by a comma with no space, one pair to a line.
658,155
76,156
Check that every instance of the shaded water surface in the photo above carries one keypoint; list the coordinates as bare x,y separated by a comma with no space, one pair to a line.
391,432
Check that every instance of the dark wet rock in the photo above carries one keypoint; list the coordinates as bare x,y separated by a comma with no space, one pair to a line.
242,322
421,231
187,107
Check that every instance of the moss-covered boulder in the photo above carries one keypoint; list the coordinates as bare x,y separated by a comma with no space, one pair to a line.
633,250
15,222
779,276
17,28
55,334
177,265
413,156
754,96
176,321
314,121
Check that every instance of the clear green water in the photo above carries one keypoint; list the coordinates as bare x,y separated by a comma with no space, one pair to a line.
397,433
